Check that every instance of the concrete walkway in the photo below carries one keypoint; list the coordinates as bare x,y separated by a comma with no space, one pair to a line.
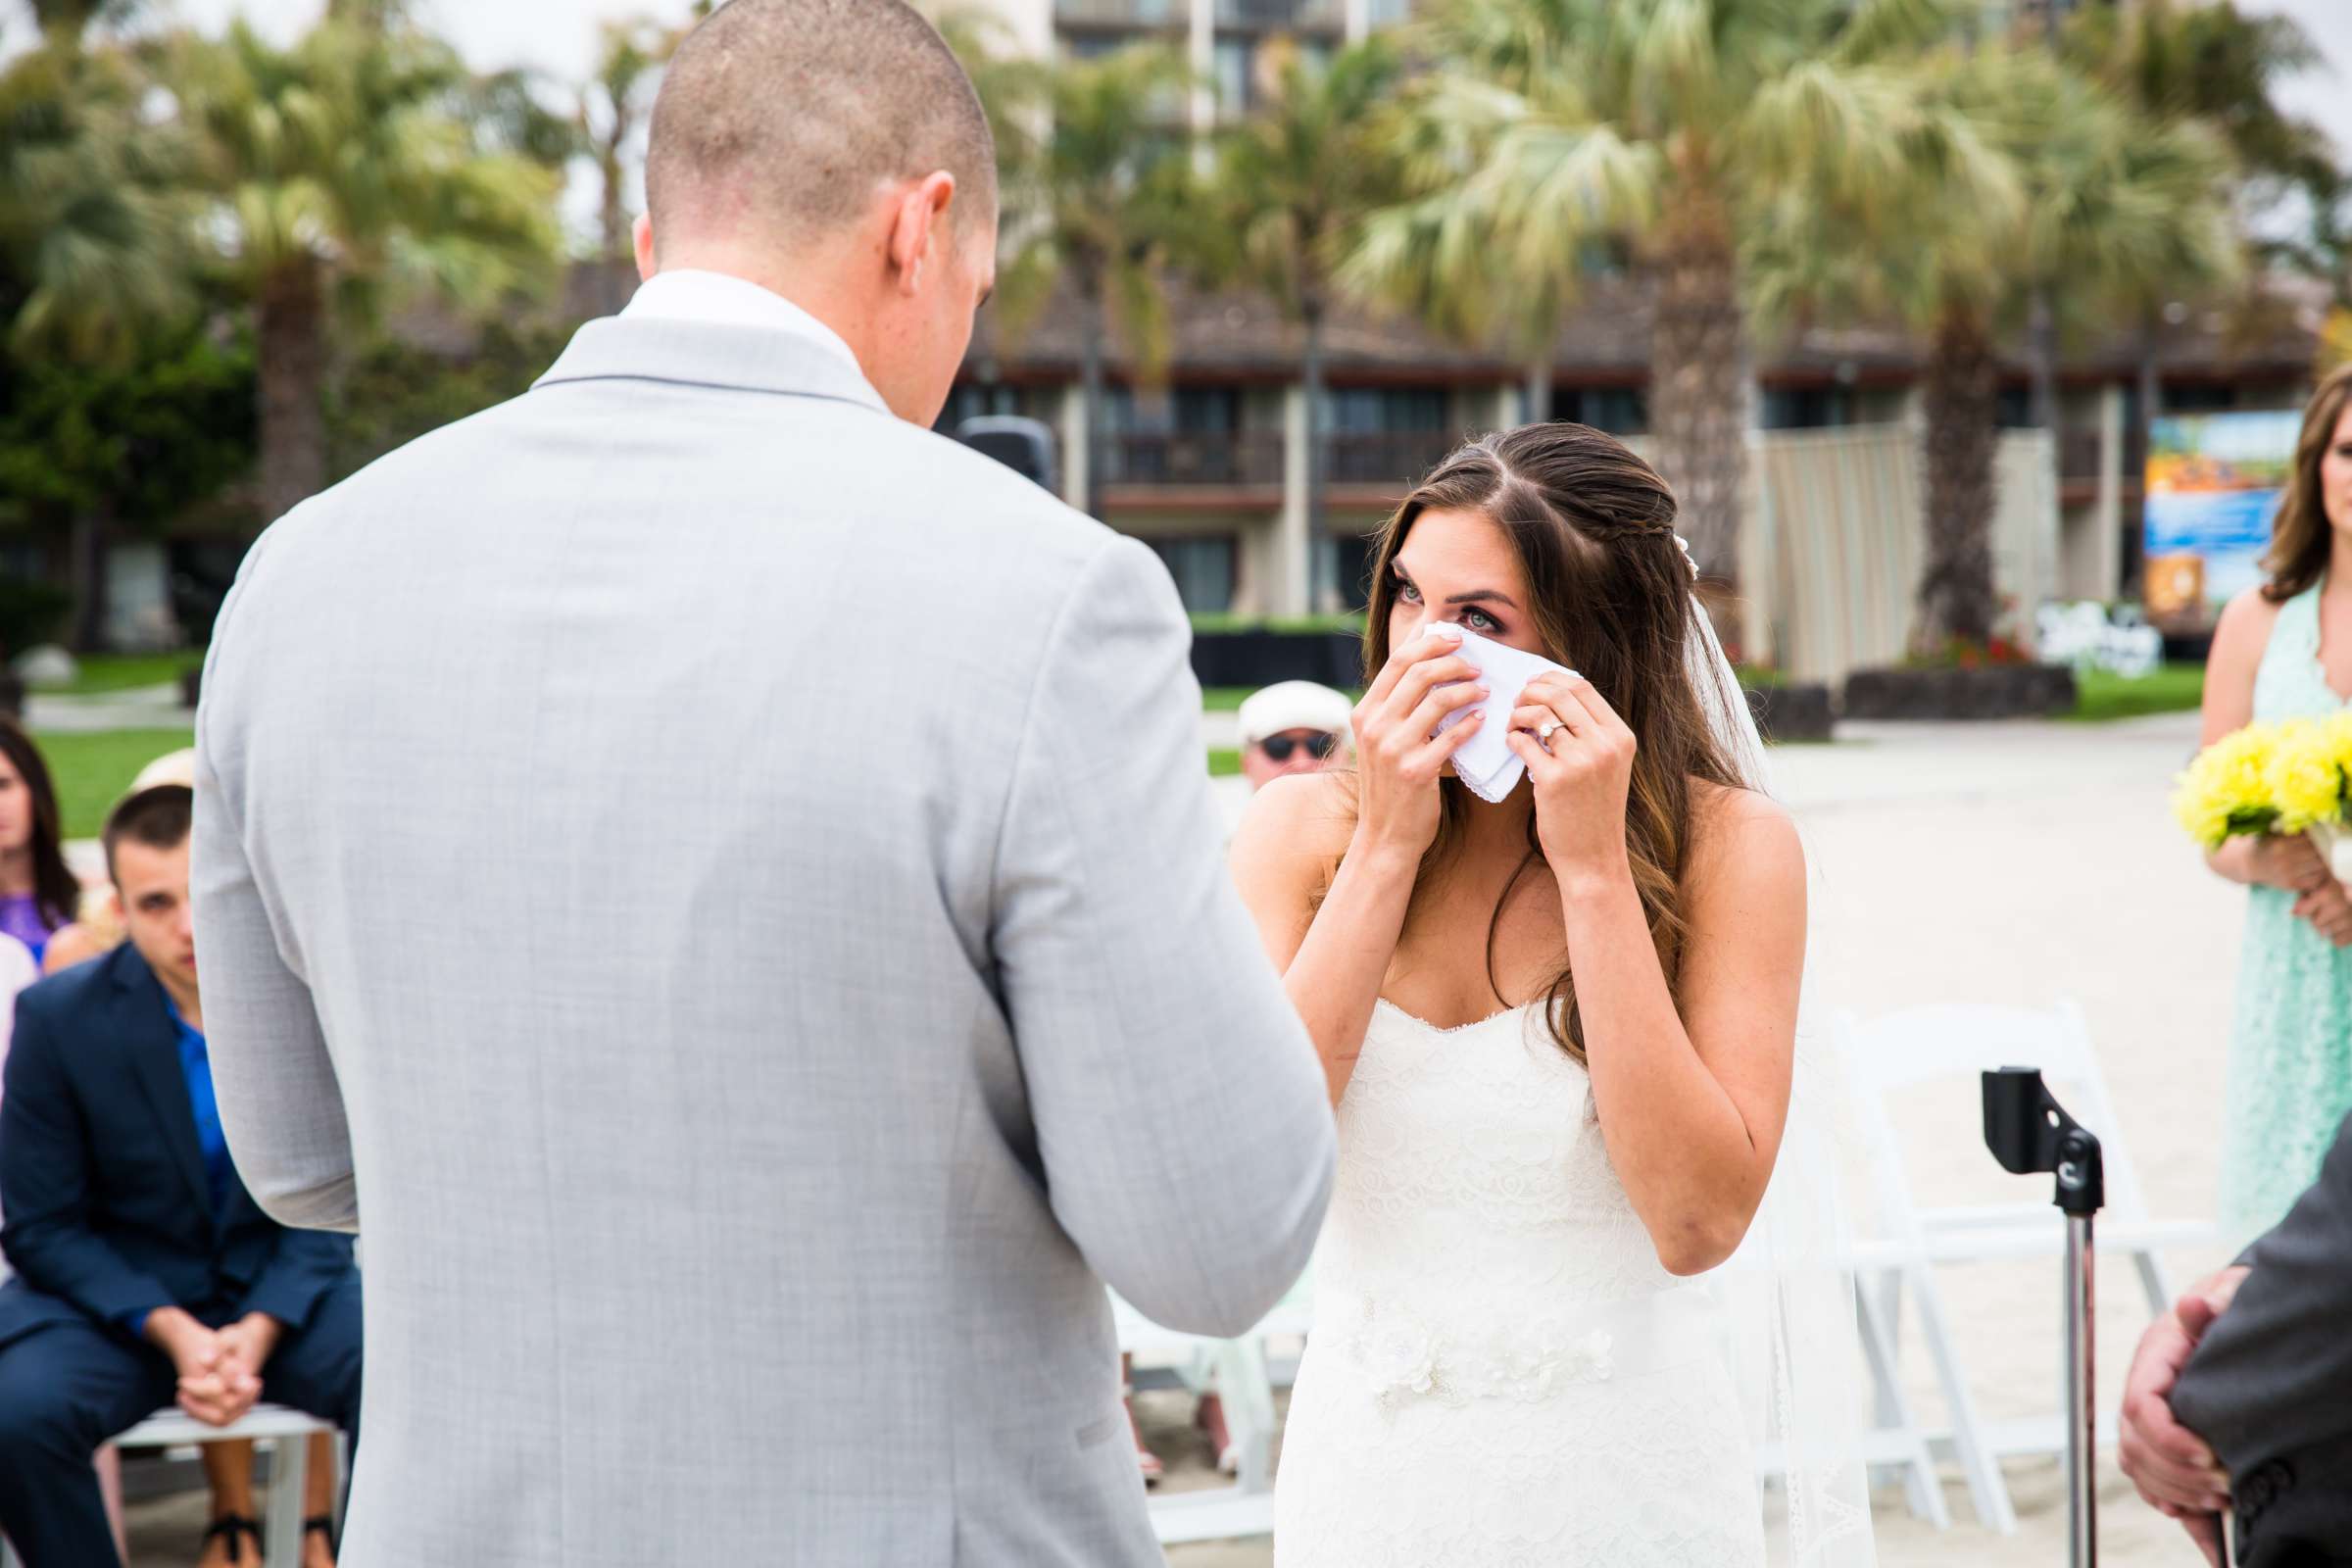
139,708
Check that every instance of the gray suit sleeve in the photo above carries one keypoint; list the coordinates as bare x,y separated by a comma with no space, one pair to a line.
1183,1123
282,1105
2274,1374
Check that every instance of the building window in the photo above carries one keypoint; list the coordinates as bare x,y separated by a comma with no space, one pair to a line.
1203,566
1377,410
1806,408
1344,571
970,399
1617,410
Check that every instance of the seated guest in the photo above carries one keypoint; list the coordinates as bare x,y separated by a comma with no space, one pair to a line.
144,1272
97,926
38,892
1293,726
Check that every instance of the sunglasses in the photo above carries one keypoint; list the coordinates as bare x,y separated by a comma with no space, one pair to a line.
1278,748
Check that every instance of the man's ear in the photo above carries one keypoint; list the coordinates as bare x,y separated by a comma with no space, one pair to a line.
918,225
643,235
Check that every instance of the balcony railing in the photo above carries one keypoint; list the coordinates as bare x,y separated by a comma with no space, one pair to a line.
1251,458
1120,13
1282,16
1395,459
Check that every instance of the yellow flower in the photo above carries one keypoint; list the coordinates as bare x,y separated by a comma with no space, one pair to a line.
2302,778
2228,789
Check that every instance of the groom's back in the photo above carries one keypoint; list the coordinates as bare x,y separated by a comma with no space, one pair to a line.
655,785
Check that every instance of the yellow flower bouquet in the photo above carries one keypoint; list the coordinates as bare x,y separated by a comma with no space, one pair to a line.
2289,778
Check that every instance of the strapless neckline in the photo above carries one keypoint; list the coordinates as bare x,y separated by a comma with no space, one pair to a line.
1426,1027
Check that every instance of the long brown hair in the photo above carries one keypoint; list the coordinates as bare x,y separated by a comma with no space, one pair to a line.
1609,589
2301,538
56,892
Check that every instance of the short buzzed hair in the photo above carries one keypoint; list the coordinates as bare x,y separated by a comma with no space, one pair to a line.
159,817
784,115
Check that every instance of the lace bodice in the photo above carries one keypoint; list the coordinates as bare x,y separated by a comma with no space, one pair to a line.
1473,1154
1501,1373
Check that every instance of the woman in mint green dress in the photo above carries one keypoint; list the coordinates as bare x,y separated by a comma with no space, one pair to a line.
2284,650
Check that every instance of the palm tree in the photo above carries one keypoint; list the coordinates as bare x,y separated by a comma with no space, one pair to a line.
93,252
1671,124
1290,188
1097,191
338,168
2212,65
2019,172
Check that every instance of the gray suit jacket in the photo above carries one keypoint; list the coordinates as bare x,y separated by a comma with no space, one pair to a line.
2271,1386
721,886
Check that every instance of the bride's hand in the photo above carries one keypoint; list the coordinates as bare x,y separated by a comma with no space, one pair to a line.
1397,762
1581,780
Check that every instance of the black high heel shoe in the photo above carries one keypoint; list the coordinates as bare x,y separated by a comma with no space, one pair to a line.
233,1527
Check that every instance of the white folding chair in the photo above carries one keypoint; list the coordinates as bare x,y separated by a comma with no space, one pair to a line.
286,1433
1244,1375
1954,1043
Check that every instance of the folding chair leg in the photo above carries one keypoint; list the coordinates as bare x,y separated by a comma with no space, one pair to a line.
1985,1487
1249,1396
290,1473
1923,1489
2152,1281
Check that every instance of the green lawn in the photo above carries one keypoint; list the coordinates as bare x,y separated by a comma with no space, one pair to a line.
1223,761
93,771
2173,689
118,673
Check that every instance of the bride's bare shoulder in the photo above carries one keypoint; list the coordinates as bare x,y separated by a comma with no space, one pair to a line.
1732,826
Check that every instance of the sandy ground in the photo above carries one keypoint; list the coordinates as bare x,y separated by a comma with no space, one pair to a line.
2015,863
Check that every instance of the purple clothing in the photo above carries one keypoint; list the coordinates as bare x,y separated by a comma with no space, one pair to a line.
21,917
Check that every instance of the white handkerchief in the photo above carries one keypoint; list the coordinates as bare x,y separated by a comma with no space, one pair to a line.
1486,762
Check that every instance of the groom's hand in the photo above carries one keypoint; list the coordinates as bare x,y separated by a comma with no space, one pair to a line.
2175,1470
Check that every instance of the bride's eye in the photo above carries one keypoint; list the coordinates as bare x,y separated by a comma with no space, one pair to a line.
1407,592
1479,620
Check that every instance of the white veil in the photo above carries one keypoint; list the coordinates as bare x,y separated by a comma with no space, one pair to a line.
1795,1352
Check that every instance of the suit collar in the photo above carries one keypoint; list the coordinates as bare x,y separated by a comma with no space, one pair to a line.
750,359
142,1022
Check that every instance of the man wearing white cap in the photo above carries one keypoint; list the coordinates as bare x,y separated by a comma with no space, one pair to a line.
1295,726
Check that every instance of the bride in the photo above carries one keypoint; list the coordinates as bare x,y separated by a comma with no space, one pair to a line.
1558,1031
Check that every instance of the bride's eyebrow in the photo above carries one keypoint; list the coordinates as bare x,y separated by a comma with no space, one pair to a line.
1483,596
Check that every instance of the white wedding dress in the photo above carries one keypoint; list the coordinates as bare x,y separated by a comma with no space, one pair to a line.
1500,1373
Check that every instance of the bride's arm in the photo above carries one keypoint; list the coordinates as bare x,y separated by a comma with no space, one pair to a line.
1692,1102
1334,957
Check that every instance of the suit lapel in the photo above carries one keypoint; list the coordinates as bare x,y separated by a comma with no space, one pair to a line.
143,1024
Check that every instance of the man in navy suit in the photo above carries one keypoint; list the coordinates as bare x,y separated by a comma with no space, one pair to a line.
144,1272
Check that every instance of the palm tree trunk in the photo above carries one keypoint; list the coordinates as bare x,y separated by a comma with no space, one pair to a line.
1092,330
1311,374
1699,391
616,268
1962,444
91,527
292,378
2150,403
